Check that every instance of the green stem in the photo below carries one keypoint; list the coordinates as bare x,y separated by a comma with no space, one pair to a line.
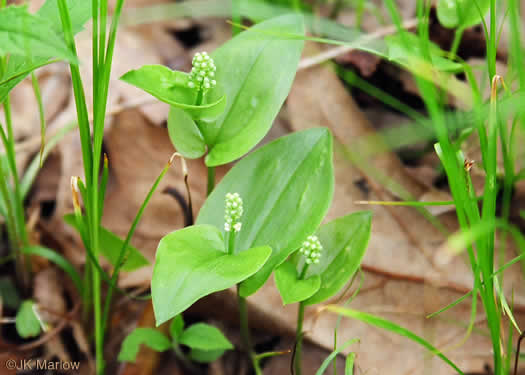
245,332
38,96
124,249
299,329
296,5
211,179
236,16
184,358
299,340
455,43
21,239
243,313
10,221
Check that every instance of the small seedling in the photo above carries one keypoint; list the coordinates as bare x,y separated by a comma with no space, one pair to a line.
205,342
322,266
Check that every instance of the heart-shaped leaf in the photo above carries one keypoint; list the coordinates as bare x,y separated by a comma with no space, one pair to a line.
171,87
291,288
204,337
205,356
287,187
207,343
461,13
185,134
142,336
255,69
192,263
344,243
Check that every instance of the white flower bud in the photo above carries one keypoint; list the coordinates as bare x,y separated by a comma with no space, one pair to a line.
203,68
311,249
233,212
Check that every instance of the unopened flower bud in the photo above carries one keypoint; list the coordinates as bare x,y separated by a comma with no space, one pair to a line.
311,249
203,68
233,212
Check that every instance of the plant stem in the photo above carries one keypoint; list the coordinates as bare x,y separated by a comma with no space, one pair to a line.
183,358
211,179
124,249
20,239
296,4
38,97
299,329
236,16
245,332
299,340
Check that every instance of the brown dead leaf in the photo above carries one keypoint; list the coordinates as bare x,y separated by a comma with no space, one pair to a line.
49,295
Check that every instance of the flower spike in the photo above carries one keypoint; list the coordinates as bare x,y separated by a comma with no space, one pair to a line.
233,212
202,72
311,249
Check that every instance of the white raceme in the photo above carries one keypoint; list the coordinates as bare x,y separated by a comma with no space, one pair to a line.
311,249
233,212
202,75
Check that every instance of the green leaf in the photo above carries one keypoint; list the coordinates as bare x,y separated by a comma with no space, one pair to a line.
404,55
205,356
58,259
334,354
147,336
291,288
461,13
19,67
192,263
392,327
176,327
79,13
185,134
172,87
27,323
344,242
206,337
110,246
29,35
8,294
349,364
255,69
287,187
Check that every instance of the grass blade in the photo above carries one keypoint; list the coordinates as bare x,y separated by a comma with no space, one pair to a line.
392,327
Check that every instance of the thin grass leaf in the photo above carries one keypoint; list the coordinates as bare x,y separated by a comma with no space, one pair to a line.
123,254
38,96
59,260
451,305
349,364
392,327
332,355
